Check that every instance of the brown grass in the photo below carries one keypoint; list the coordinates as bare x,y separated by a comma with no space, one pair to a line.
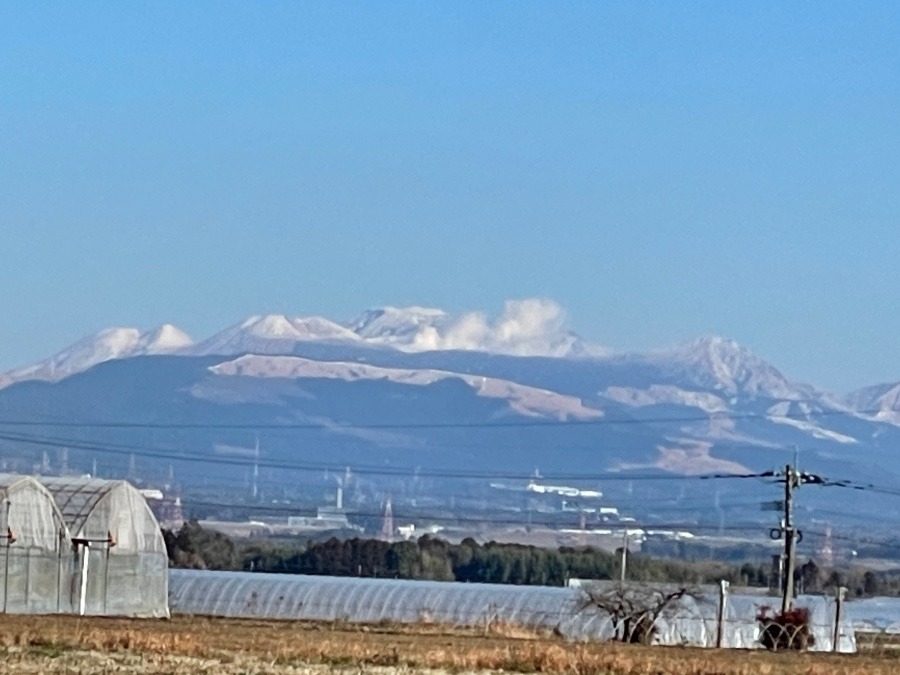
283,646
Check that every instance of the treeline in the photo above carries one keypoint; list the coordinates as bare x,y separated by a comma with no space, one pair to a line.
435,559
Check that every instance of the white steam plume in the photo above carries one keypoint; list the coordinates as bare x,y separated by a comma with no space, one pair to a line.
528,327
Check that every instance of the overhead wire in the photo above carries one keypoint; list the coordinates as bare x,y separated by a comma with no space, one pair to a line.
496,424
119,449
493,519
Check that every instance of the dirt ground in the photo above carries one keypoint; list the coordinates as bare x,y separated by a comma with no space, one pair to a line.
65,644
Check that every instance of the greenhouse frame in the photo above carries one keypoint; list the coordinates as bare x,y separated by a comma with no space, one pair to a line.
116,562
35,546
80,545
565,611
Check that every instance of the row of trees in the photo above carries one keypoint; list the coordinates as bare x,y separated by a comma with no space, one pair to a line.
429,558
435,559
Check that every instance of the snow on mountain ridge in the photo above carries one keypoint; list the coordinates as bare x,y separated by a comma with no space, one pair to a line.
726,366
395,324
679,375
164,340
666,394
106,345
528,327
525,400
271,334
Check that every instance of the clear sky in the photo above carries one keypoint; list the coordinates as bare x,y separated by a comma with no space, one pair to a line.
662,170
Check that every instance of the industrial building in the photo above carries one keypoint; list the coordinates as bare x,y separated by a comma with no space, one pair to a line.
81,545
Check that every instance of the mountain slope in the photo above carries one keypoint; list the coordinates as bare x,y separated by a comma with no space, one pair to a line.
111,343
881,401
271,334
524,400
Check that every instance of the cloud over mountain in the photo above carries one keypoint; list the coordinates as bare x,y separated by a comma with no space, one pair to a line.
527,327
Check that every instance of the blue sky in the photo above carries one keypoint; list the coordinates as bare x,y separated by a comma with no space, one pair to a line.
662,170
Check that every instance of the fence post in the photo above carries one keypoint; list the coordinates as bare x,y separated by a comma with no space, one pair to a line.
720,619
838,606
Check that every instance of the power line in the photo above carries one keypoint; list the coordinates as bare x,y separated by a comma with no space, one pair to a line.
154,453
529,443
492,519
524,423
864,487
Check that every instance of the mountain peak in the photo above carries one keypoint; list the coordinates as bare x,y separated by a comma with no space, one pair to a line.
717,343
396,324
272,334
528,327
105,345
164,340
276,326
725,365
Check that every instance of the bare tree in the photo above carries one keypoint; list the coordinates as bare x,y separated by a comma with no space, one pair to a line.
634,609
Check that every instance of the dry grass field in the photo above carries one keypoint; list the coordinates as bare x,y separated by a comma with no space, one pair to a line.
64,644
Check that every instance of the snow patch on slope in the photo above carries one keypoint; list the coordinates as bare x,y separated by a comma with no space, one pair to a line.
529,401
665,394
779,413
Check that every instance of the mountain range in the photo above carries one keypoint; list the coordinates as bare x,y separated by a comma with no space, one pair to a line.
418,387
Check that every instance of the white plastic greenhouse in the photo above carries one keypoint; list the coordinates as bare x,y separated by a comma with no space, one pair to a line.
564,610
116,563
35,542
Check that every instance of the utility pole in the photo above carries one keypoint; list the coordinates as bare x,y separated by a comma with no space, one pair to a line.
792,478
624,554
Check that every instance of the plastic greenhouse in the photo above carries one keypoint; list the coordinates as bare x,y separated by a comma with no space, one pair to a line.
116,563
562,610
35,543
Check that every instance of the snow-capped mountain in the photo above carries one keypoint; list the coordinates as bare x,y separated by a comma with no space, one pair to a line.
530,327
166,339
111,343
723,382
713,374
399,388
728,368
272,334
442,382
397,326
